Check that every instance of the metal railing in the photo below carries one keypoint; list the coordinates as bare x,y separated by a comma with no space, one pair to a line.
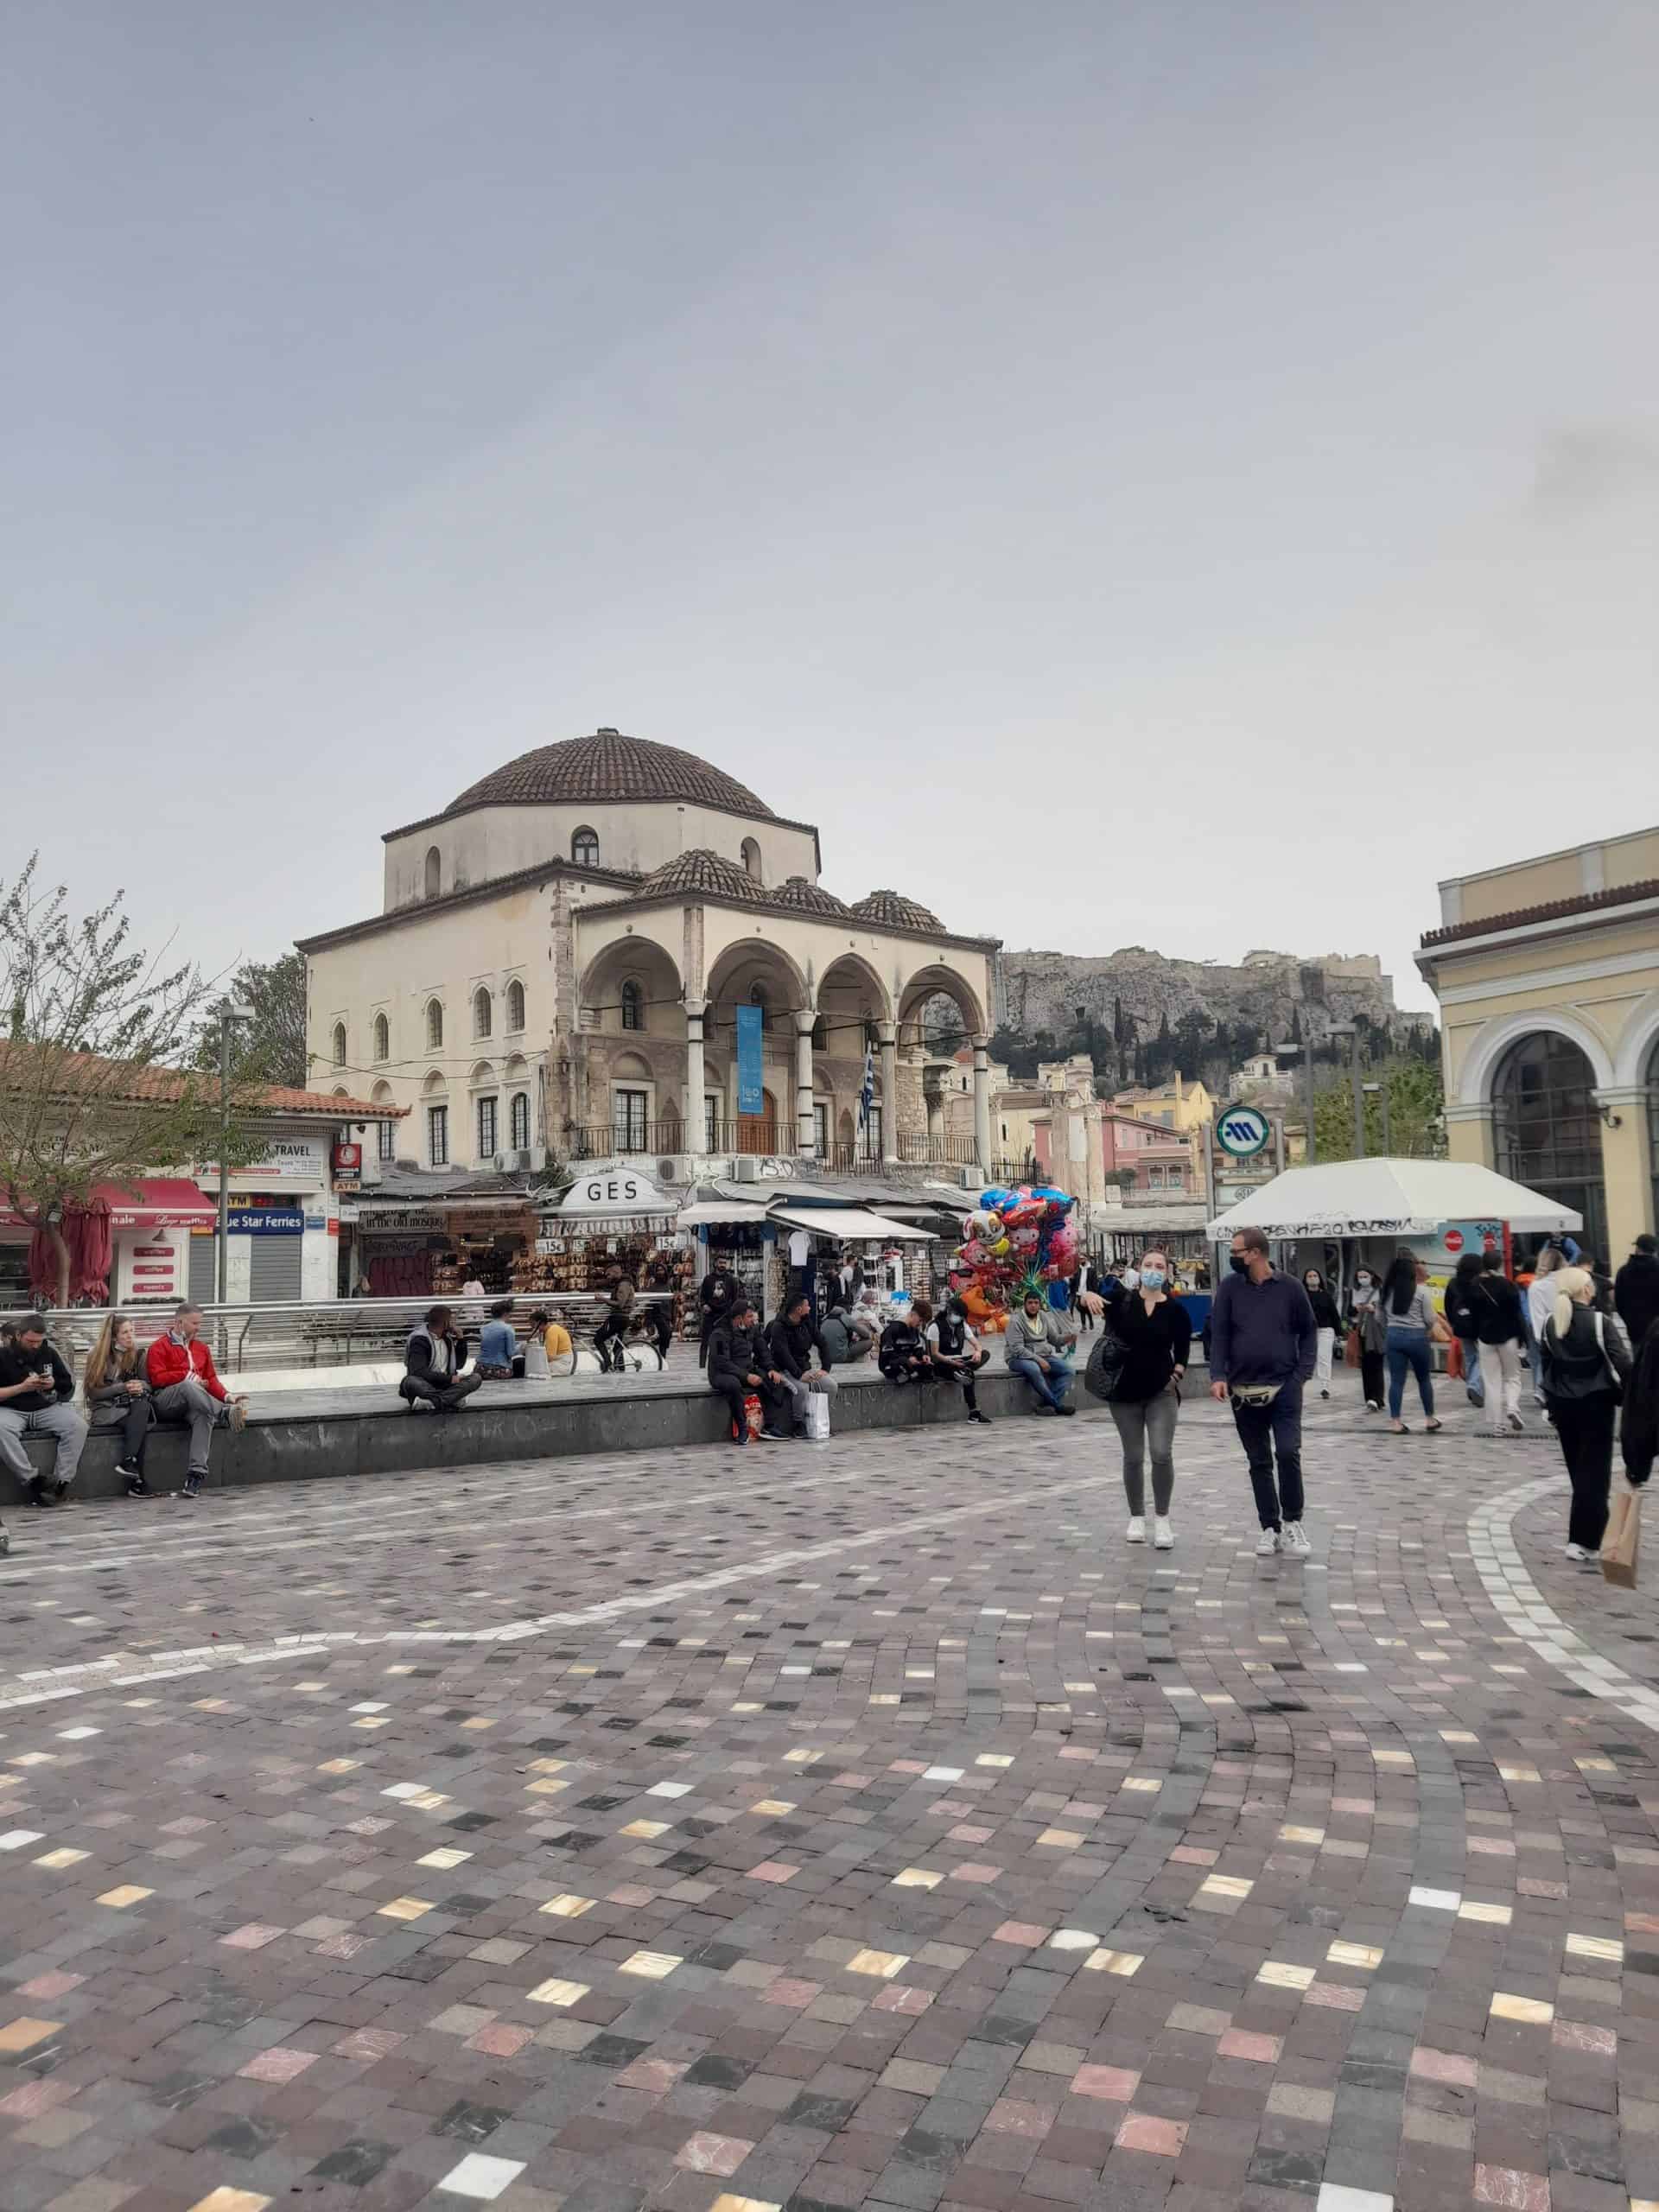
324,1333
859,1155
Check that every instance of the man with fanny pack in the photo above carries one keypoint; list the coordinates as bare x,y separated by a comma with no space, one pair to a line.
1262,1348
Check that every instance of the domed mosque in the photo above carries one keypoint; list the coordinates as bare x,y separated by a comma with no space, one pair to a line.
563,949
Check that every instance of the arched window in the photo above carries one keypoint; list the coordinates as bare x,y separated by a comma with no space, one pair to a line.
758,997
1546,1131
481,1012
339,1045
515,1007
382,1038
434,1026
519,1122
751,852
634,1006
434,872
584,847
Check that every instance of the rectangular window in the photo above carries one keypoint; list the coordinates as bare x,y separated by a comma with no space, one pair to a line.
820,1128
437,1135
388,1139
1177,1177
630,1112
486,1121
711,1122
869,1142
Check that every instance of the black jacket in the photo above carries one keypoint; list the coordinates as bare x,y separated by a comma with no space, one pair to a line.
16,1364
417,1354
1325,1315
1156,1344
1574,1366
901,1342
715,1292
1461,1315
1635,1295
734,1354
1639,1429
1495,1304
797,1347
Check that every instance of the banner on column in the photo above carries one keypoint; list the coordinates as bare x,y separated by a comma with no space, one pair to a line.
751,1032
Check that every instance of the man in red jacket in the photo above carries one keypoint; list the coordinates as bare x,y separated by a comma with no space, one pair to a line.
186,1387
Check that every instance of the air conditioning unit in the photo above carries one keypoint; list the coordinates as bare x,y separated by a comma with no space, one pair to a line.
665,1170
746,1169
971,1180
499,1161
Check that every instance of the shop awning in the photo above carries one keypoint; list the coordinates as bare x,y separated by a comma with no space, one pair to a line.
1390,1197
849,1224
162,1202
717,1213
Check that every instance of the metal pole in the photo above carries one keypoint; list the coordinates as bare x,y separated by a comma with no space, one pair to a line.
1388,1134
1278,1144
1359,1097
1209,1201
223,1150
1312,1150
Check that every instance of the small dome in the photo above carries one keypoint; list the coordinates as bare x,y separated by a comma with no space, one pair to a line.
804,897
891,910
700,872
609,765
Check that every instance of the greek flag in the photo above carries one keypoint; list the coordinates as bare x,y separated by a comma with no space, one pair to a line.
866,1095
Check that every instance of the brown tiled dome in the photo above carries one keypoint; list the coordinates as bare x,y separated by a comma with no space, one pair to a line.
804,897
892,910
700,872
609,765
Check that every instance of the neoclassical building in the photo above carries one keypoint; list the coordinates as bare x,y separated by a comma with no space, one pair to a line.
1547,972
560,959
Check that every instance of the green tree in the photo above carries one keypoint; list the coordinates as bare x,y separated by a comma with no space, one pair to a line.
271,1048
1416,1130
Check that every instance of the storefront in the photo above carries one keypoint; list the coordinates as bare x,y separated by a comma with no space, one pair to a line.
283,1232
611,1217
390,1248
149,1227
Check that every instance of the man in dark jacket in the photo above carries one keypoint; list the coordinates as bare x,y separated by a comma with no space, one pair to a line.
35,1391
716,1294
1500,1330
1262,1348
797,1350
1636,1290
433,1359
740,1367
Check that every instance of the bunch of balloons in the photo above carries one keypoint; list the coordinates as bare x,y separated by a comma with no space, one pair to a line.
1017,1241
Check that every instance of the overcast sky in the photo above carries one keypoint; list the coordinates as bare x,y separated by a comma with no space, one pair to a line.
1156,473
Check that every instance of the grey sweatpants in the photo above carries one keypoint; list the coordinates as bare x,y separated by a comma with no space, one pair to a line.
62,1423
1142,1427
193,1401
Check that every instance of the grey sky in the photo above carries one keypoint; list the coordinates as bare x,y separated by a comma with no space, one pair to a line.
1175,474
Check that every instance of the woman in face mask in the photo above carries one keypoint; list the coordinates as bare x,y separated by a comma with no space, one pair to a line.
1327,1321
1366,1316
1157,1334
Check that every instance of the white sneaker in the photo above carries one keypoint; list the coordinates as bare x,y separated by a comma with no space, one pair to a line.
1578,1552
1266,1544
1136,1532
1294,1539
1163,1536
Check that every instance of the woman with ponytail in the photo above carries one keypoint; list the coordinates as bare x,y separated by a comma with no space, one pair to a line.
1587,1364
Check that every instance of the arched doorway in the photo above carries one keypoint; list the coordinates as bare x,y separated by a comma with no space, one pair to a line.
759,1132
1546,1131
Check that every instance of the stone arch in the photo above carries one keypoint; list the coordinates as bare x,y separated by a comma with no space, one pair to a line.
1637,1042
1493,1040
850,993
940,980
640,960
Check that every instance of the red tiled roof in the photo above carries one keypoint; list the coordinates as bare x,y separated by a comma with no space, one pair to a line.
1586,902
124,1081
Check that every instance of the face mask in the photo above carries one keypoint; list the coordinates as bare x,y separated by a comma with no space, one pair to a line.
1362,1281
1239,1265
1153,1278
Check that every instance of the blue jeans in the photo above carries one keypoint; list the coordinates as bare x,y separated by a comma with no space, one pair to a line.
1471,1374
1050,1388
1409,1348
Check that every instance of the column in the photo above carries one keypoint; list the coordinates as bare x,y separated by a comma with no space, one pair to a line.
695,1082
1470,1135
887,1033
1626,1168
983,1102
805,1129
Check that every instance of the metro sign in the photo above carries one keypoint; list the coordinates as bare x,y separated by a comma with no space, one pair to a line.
1242,1132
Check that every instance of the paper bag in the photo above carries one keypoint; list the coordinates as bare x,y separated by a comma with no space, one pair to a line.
1623,1535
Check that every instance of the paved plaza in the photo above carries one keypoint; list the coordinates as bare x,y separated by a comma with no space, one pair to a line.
863,1826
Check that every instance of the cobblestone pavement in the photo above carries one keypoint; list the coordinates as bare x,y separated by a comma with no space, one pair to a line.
864,1826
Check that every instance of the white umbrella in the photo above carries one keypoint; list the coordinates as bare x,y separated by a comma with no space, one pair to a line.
1389,1197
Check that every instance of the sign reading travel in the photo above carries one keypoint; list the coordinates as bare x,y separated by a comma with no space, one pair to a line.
751,1045
1242,1131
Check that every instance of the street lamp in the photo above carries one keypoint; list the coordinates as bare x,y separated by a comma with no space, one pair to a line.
1380,1090
230,1015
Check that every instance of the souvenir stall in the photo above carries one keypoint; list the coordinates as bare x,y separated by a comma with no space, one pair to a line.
610,1216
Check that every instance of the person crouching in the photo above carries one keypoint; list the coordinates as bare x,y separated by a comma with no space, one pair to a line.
433,1359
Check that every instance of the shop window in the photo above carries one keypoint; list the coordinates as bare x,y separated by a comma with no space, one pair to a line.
481,1012
382,1038
515,1007
634,1006
434,1027
487,1127
388,1140
584,848
434,872
519,1122
629,1119
437,1135
339,1044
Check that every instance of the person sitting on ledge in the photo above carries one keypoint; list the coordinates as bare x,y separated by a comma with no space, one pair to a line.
498,1345
180,1370
433,1359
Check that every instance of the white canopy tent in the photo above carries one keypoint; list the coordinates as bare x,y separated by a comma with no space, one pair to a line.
1389,1197
848,1223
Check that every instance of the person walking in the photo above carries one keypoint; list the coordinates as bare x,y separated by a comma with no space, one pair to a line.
1083,1289
1366,1319
1413,1325
1156,1331
1263,1344
717,1295
36,1390
1035,1347
739,1368
1328,1324
118,1397
1463,1321
955,1353
433,1359
1501,1329
1586,1365
1541,1302
180,1370
1636,1290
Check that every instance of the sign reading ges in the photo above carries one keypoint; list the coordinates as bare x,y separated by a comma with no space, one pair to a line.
1242,1131
612,1190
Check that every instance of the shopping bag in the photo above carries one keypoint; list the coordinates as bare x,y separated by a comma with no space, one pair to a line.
1350,1350
1619,1545
1454,1366
753,1415
817,1417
